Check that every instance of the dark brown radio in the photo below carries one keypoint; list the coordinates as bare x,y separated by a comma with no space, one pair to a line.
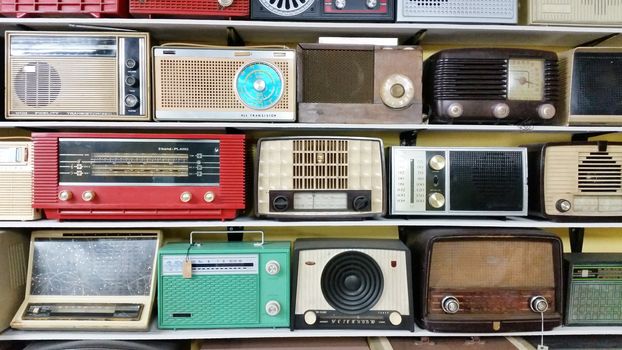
486,279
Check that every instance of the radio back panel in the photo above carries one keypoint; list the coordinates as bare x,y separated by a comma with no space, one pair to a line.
574,12
190,8
133,176
458,11
16,176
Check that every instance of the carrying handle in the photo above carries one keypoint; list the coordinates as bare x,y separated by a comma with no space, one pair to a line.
257,244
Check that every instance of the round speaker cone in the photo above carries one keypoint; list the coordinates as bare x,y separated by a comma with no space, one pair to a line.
259,85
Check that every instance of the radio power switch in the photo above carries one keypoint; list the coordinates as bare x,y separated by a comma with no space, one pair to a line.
436,200
273,267
450,305
88,196
340,4
437,162
538,304
273,308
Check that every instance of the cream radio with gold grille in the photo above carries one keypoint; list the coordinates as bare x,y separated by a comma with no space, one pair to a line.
320,177
16,171
77,76
224,84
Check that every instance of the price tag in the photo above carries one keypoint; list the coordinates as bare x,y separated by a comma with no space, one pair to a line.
187,269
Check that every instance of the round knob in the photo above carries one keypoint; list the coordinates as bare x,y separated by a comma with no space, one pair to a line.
437,162
455,110
310,317
131,63
64,195
185,197
450,305
130,81
340,4
131,101
436,200
360,203
273,308
371,3
563,205
395,318
273,267
397,91
280,203
88,196
546,111
538,304
501,110
259,85
209,196
225,3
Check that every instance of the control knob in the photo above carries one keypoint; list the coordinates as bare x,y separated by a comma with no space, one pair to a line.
273,308
340,4
538,304
437,162
450,305
273,267
436,200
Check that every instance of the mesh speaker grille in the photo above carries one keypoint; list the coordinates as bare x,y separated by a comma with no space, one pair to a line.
492,263
455,8
596,81
600,172
338,76
320,164
37,84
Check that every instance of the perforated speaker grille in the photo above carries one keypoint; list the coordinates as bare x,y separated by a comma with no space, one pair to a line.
320,164
577,11
338,76
600,172
37,84
596,81
460,8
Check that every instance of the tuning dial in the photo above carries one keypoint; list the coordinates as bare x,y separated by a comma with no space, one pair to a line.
501,110
450,305
371,3
209,196
310,317
64,195
225,3
538,304
185,197
397,91
273,308
130,81
131,63
280,203
436,200
437,162
259,85
130,101
395,318
88,196
273,267
563,205
360,203
455,110
340,4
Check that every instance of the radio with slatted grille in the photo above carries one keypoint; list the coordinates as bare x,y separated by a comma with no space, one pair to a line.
486,279
502,86
210,84
324,10
190,8
139,176
458,181
77,76
576,180
319,177
458,11
16,192
573,12
351,284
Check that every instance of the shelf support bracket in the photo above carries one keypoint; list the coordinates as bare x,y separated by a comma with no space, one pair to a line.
576,239
234,38
235,237
599,40
408,138
416,38
585,136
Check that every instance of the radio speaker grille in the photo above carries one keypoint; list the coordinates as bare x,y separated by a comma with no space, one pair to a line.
17,265
461,8
320,164
600,12
600,172
596,81
37,86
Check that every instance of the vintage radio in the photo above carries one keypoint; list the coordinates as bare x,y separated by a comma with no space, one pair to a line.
13,262
593,289
90,279
593,76
104,344
502,86
573,12
486,279
458,181
77,76
190,8
458,11
351,284
224,285
319,177
359,84
232,84
139,176
576,180
16,190
54,8
324,10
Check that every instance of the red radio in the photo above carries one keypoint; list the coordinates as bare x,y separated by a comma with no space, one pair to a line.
138,176
190,8
95,8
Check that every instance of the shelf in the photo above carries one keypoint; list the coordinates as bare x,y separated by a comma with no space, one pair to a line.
290,32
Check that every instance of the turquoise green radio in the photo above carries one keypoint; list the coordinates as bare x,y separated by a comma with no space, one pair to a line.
224,285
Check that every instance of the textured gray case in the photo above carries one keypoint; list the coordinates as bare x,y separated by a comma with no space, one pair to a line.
458,11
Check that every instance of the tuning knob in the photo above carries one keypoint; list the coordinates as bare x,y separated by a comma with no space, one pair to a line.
360,203
273,267
88,196
501,110
450,305
280,203
546,111
436,200
130,101
397,91
225,3
371,3
395,318
538,304
64,195
185,197
310,317
340,4
209,196
563,205
273,308
437,162
455,110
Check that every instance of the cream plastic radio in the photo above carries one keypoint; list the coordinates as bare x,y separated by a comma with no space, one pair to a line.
16,171
573,12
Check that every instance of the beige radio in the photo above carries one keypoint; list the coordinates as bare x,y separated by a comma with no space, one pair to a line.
319,177
224,84
16,171
77,76
13,262
572,12
576,180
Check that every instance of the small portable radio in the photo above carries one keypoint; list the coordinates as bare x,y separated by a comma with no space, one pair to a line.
190,8
486,279
233,84
458,11
16,177
14,264
324,10
573,12
77,76
319,177
577,180
502,86
359,84
458,181
75,8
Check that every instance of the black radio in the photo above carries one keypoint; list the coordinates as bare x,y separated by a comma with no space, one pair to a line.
324,10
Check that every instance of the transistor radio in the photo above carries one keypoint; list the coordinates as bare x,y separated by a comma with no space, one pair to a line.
351,284
138,176
78,8
14,262
232,84
225,285
359,84
190,8
77,76
486,279
319,177
458,181
16,176
502,86
577,180
593,289
458,11
324,10
593,78
573,12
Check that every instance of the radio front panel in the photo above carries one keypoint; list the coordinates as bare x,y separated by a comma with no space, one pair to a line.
458,11
324,10
16,176
190,8
574,12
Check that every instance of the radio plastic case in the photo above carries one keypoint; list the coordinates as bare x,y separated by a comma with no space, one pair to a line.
458,11
572,12
16,181
54,8
324,10
190,8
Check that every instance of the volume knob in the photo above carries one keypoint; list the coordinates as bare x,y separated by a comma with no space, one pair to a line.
538,304
450,305
436,200
273,267
340,4
437,162
546,111
88,196
273,308
501,110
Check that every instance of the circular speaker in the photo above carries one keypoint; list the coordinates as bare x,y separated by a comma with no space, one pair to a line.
37,84
352,282
287,8
259,85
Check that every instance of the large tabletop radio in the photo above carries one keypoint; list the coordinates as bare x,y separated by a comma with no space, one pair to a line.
139,176
359,84
481,85
190,8
486,279
576,180
351,284
458,181
319,177
458,11
14,263
16,177
593,78
77,76
573,12
324,10
231,84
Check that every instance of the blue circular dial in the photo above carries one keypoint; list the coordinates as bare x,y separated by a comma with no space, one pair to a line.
259,85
